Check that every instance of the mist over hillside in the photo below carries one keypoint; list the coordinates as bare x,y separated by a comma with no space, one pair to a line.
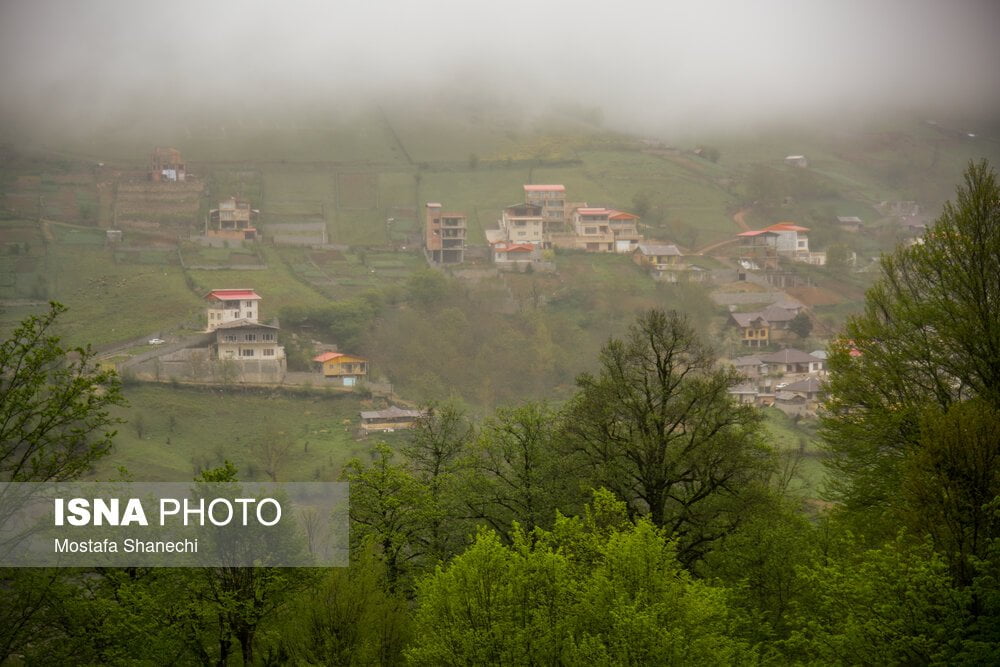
657,68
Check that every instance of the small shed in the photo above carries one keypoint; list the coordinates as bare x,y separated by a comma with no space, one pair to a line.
390,419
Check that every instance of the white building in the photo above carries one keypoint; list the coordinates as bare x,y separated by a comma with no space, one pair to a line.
230,305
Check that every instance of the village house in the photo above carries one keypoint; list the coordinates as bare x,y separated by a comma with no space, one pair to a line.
810,388
849,223
390,419
759,249
755,331
444,235
344,369
552,201
515,256
665,262
233,220
625,227
522,223
788,366
231,305
166,165
246,340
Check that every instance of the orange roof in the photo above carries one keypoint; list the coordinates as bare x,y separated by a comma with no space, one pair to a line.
755,232
513,247
233,294
786,227
622,215
329,356
544,188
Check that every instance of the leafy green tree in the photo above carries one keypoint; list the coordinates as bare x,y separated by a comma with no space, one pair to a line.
55,419
594,590
437,454
801,325
348,618
928,339
885,606
518,472
390,507
658,427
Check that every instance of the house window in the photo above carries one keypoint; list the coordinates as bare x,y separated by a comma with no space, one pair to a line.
230,338
249,304
246,352
267,336
249,315
268,351
251,337
590,230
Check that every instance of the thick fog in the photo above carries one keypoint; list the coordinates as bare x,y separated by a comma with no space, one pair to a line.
646,64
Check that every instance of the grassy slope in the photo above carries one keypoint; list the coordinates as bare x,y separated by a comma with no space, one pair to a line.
185,430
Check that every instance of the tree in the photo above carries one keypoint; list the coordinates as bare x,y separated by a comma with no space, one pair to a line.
586,592
55,419
801,325
389,507
518,473
928,339
437,453
658,428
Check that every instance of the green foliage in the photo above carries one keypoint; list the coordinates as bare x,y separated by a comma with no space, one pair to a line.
658,428
520,473
390,508
928,338
348,618
801,325
892,605
54,405
587,592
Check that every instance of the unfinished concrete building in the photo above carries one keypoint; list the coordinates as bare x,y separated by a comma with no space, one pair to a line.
232,220
444,235
166,165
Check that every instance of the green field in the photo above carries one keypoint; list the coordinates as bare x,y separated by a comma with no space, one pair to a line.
172,433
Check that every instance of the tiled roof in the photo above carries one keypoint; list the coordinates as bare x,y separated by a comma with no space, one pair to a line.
233,295
789,356
659,249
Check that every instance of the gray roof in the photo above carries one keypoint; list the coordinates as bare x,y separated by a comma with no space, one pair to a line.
745,319
776,313
809,385
392,412
659,249
787,396
748,360
746,388
243,322
819,354
789,356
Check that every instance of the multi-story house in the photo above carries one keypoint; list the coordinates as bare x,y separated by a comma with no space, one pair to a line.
444,235
166,165
244,340
231,305
523,223
552,200
232,220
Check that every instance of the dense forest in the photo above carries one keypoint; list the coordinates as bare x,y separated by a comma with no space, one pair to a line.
644,519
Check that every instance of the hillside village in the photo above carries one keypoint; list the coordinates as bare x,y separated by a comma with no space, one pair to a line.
239,347
322,278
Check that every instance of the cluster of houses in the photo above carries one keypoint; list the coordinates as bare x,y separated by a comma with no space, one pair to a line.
544,220
790,380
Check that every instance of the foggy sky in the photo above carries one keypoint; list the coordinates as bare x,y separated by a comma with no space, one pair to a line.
646,64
